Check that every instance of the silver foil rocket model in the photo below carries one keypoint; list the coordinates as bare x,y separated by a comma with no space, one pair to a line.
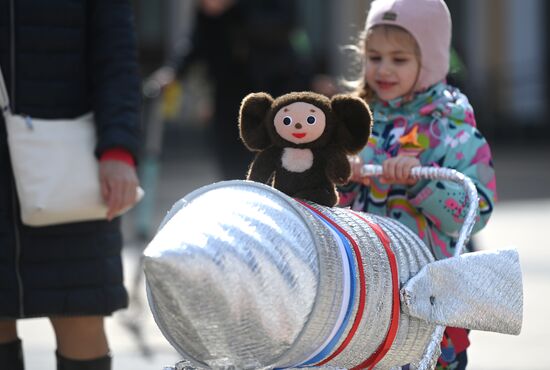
241,276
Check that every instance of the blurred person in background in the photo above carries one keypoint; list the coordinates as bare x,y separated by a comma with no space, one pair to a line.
63,59
247,46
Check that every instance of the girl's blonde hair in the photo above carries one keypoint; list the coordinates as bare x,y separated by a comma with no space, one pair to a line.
400,35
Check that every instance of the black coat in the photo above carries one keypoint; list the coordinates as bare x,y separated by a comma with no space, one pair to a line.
248,48
61,59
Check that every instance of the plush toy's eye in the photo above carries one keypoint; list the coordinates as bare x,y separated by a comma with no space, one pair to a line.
287,120
311,120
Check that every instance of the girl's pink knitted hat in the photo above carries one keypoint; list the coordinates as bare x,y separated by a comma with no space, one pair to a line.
429,22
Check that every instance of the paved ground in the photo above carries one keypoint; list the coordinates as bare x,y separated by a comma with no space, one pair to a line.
521,220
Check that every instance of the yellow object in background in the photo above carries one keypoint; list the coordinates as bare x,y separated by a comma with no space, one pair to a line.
171,100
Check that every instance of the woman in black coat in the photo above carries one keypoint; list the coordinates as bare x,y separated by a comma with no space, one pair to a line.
60,60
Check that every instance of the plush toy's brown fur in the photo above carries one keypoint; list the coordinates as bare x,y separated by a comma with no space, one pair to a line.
348,123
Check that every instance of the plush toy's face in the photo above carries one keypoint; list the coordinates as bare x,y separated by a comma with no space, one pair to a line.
300,122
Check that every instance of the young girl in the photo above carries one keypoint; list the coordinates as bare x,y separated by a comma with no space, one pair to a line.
419,120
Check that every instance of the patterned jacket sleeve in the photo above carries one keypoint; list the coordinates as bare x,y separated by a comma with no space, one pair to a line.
444,203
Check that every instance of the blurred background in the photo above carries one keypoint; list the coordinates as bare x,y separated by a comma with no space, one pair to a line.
500,59
502,47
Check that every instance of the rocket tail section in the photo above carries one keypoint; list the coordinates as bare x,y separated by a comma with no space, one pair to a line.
479,291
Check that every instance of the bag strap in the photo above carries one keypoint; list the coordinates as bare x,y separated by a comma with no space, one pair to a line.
4,99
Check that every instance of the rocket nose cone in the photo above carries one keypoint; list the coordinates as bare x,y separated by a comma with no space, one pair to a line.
232,275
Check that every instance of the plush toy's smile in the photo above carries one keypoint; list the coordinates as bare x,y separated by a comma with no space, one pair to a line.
301,140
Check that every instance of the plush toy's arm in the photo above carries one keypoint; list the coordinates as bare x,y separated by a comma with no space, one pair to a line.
337,169
264,164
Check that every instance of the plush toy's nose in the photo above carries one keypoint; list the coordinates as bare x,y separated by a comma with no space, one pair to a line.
298,125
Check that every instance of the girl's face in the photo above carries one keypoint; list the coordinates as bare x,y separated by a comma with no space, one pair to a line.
392,63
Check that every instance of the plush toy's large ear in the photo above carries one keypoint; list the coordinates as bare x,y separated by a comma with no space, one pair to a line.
252,129
355,122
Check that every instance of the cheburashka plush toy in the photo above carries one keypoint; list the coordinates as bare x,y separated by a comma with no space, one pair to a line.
302,139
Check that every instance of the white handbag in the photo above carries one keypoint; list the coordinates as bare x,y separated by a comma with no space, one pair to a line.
55,169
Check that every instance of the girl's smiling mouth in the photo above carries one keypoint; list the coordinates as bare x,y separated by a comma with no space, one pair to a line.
299,135
384,85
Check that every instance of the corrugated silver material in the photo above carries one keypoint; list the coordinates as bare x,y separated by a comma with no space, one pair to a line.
240,276
411,254
414,334
443,174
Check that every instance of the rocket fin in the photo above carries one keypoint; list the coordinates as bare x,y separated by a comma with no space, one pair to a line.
479,291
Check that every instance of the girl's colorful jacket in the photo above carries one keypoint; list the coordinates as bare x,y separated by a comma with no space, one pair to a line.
438,127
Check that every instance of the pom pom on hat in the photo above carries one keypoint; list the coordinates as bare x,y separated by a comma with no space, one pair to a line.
429,22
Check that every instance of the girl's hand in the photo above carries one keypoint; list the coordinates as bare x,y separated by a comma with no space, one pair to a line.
119,184
397,170
356,163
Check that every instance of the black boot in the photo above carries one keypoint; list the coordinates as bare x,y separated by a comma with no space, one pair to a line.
11,355
101,363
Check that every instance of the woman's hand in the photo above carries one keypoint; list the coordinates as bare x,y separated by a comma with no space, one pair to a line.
397,170
119,184
356,163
